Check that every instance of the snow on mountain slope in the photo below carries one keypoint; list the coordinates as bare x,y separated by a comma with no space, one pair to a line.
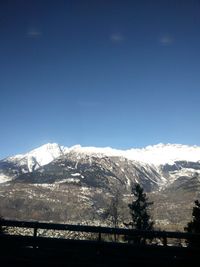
13,166
157,154
4,178
39,156
165,154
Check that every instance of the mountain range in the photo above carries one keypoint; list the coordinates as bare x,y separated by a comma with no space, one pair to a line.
77,184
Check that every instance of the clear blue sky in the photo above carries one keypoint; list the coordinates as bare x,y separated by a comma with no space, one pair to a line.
99,72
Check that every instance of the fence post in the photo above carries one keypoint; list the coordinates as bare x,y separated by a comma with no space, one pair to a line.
165,241
35,232
35,236
99,239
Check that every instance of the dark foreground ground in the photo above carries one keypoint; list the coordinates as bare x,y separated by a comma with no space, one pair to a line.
29,251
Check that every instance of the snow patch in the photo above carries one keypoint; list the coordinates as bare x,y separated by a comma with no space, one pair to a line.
4,178
76,174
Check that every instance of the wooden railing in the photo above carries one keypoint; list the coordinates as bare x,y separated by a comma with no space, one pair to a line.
130,234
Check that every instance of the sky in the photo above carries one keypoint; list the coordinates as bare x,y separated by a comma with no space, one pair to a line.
99,73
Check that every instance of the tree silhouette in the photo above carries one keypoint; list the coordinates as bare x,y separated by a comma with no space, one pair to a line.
112,210
141,220
115,210
194,225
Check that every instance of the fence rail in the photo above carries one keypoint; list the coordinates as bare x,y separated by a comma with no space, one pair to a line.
36,250
129,233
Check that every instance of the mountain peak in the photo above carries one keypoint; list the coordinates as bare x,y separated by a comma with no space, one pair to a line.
46,147
46,153
39,156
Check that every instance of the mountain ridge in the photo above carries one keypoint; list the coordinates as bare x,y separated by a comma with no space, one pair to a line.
89,177
149,154
156,155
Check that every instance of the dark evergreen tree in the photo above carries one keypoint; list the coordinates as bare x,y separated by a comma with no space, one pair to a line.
194,225
141,219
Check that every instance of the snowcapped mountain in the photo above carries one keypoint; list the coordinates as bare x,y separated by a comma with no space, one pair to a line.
165,153
23,163
43,179
155,156
41,155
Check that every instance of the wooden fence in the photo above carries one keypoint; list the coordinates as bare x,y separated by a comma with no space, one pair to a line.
35,250
130,234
